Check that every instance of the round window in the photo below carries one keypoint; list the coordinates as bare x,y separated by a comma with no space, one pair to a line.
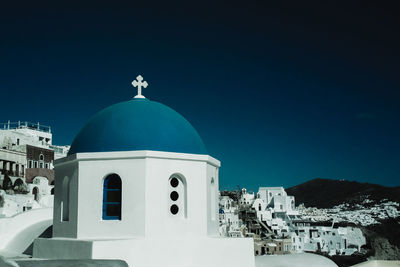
174,182
174,195
174,209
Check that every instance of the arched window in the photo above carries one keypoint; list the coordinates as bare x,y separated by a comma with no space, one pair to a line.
18,182
177,196
65,199
213,199
259,207
112,197
41,163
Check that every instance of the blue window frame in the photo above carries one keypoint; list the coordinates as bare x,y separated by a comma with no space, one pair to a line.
112,197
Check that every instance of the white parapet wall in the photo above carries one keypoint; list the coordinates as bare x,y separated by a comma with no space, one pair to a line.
19,231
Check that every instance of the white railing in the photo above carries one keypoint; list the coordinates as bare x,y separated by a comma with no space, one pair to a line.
25,125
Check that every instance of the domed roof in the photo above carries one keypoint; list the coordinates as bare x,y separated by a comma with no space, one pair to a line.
138,124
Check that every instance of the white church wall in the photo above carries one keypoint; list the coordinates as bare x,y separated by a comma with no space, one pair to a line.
141,172
212,199
177,241
65,199
158,202
91,176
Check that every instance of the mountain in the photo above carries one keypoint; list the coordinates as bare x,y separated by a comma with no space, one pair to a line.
326,193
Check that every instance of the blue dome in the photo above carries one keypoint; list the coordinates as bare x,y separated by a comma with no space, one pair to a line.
138,124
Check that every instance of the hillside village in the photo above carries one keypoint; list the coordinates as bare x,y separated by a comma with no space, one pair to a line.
279,227
366,213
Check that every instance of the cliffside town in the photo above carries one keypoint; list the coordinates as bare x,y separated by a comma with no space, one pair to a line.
278,226
366,213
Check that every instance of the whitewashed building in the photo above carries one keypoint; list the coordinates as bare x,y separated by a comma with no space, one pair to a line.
246,198
335,241
26,150
277,198
230,224
26,166
275,208
38,194
139,185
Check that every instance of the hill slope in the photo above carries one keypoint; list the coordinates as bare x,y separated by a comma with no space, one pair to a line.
326,193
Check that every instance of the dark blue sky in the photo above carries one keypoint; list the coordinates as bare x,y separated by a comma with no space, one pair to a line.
279,93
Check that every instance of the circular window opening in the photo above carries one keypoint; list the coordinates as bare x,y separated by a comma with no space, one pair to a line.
174,209
174,195
174,182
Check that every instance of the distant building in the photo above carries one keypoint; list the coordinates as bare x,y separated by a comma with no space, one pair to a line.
278,227
26,166
342,240
246,198
26,150
276,198
230,224
276,209
272,246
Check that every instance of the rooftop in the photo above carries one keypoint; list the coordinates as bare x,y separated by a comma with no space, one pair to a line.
138,124
25,125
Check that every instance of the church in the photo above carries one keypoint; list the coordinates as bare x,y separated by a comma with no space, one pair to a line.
138,185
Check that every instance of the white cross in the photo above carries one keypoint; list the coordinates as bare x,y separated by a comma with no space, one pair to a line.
139,84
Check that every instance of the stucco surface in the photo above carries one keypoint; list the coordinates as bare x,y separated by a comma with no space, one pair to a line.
71,263
19,231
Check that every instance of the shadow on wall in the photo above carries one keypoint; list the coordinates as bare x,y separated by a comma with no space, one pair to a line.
48,233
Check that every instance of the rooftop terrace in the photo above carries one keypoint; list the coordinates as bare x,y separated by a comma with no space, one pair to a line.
25,125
